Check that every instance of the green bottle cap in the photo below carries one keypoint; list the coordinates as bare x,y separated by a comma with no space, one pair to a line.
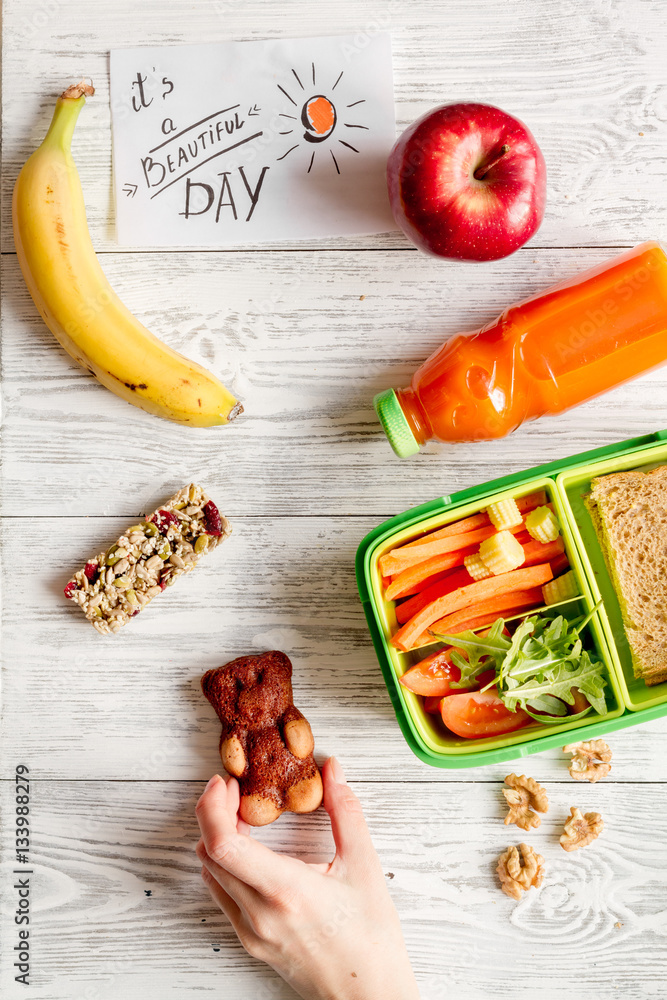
395,424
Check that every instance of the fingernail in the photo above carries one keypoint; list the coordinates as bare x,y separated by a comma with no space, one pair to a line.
212,781
337,771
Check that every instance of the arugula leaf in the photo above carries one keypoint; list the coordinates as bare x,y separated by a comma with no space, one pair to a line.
536,669
544,650
591,683
547,704
584,675
551,720
524,631
483,652
479,645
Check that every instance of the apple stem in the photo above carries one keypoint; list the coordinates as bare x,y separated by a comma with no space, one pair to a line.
483,170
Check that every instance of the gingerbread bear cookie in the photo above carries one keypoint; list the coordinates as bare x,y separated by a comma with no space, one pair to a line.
266,742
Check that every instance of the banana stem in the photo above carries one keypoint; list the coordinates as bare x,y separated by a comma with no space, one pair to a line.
80,89
68,108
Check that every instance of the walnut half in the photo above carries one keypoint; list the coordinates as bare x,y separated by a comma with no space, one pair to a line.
590,760
523,795
518,874
580,830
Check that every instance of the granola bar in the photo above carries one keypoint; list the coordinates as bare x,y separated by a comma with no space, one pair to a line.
120,582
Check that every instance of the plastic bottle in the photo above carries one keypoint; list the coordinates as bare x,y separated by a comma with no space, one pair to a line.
546,354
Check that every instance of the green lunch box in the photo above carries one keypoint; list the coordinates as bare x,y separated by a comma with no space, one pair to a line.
566,483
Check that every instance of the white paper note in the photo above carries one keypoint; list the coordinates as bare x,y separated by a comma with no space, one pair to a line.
246,141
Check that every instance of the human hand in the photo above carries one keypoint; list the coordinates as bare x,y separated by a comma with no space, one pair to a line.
330,930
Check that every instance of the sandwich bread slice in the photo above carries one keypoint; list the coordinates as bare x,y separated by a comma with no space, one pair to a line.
629,512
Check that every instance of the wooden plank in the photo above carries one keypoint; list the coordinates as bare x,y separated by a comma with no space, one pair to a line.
130,705
594,104
295,340
116,732
118,903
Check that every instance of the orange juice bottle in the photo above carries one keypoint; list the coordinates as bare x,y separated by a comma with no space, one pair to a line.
572,342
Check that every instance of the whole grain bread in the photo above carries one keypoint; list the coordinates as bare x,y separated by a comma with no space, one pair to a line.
629,511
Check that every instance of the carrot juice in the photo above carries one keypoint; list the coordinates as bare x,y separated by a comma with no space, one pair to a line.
544,355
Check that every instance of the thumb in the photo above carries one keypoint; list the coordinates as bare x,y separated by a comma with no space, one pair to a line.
354,847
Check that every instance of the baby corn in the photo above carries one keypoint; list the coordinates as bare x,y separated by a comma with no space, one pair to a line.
542,525
504,514
476,566
501,553
561,589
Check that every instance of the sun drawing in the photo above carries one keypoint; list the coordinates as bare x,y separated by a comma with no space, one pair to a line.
319,118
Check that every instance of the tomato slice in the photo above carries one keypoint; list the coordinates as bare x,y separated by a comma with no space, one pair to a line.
432,676
581,702
474,714
484,678
432,705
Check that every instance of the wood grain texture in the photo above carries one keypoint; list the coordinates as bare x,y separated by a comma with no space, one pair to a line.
121,908
586,77
116,732
130,705
290,335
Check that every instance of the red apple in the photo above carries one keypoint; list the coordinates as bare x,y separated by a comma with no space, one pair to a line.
467,181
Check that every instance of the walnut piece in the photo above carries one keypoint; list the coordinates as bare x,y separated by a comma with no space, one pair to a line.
518,874
580,830
590,760
523,795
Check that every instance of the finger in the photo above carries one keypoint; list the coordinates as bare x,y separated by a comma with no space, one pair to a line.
320,866
233,803
209,784
212,808
236,916
244,896
228,906
354,846
240,855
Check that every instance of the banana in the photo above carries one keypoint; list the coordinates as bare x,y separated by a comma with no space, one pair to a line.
78,304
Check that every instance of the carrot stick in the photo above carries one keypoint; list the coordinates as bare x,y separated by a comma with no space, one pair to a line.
484,614
532,501
559,565
534,551
456,528
429,580
407,582
480,590
469,532
538,552
524,504
400,559
458,578
501,602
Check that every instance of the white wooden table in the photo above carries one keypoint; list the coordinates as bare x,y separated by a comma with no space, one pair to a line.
116,733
